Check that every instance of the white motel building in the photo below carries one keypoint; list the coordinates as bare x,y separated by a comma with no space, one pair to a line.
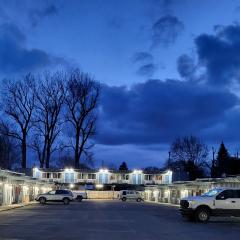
102,176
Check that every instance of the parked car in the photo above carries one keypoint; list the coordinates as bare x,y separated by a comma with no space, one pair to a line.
125,195
64,196
216,202
79,195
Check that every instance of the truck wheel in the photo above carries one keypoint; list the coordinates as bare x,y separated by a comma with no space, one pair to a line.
42,200
139,199
79,198
124,199
202,215
66,201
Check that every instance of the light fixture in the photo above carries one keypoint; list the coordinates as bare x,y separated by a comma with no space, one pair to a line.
103,170
99,186
71,185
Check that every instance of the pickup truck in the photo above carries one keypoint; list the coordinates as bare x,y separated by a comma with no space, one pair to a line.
79,195
216,202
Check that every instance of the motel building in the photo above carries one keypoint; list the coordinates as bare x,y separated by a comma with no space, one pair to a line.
102,176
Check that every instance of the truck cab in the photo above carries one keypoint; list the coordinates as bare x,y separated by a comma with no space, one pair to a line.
216,202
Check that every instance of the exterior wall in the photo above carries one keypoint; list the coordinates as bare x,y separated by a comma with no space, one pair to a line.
103,176
172,193
18,188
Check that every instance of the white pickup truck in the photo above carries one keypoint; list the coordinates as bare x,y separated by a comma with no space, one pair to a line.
216,202
79,195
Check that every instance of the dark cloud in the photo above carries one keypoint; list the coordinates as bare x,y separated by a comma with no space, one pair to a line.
36,14
220,55
146,70
142,57
27,13
186,66
144,63
166,30
157,111
15,57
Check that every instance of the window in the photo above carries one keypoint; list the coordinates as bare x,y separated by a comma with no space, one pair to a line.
52,192
228,194
91,176
159,177
79,176
55,175
44,175
127,177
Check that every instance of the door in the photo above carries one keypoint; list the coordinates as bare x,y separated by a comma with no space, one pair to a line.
51,196
227,202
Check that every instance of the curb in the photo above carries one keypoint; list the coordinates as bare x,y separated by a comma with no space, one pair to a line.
14,206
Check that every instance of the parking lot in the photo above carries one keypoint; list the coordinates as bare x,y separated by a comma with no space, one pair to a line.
109,220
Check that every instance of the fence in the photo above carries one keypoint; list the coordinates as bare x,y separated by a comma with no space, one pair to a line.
102,194
172,193
19,188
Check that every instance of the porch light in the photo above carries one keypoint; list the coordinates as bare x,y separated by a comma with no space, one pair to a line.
99,186
103,170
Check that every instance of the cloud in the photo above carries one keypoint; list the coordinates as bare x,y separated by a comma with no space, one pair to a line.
146,70
144,63
15,57
36,14
220,55
142,57
28,13
186,66
166,30
156,111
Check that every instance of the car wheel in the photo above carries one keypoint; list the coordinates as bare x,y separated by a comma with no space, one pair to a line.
202,215
66,201
79,198
124,199
139,199
42,200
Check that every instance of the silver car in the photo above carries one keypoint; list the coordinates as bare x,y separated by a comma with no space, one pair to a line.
64,196
125,195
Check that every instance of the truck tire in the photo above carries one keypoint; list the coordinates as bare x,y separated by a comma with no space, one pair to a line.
124,199
139,199
42,200
66,201
202,215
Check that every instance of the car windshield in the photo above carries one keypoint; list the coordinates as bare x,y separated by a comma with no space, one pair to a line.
212,193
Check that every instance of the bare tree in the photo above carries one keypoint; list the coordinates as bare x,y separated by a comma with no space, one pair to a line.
18,103
9,152
50,95
81,100
190,153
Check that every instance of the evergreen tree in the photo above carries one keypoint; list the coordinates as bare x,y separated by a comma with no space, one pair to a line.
222,160
123,167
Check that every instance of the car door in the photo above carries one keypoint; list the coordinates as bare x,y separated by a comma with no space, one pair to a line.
59,195
51,196
225,202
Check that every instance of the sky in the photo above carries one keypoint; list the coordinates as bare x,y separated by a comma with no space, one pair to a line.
168,68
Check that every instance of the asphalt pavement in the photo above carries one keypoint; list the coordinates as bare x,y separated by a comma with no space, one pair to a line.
110,220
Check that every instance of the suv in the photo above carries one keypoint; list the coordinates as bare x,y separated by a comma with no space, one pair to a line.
216,202
64,196
130,195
